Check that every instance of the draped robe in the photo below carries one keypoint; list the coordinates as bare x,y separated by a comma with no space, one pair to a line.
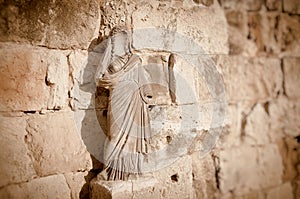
126,146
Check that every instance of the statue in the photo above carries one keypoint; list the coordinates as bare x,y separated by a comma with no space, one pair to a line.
126,146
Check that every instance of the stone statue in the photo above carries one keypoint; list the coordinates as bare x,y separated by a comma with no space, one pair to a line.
129,131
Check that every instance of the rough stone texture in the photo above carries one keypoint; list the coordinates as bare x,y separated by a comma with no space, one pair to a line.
55,144
264,32
291,6
266,81
22,75
204,181
291,67
51,187
257,155
78,184
283,191
251,5
17,167
33,78
290,27
61,24
174,181
257,168
190,22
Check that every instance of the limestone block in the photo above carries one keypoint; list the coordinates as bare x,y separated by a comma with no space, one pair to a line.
15,163
78,184
291,6
291,68
57,77
189,23
256,126
284,117
273,5
55,25
238,32
47,187
290,38
23,72
251,5
264,32
204,181
282,191
55,144
257,168
250,78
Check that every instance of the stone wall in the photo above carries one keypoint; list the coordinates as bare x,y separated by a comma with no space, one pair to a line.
52,113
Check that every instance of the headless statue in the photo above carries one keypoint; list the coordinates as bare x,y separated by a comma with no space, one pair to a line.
126,146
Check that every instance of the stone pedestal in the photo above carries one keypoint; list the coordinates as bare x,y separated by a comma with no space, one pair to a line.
174,181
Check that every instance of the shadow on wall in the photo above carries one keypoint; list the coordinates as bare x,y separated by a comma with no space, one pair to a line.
90,103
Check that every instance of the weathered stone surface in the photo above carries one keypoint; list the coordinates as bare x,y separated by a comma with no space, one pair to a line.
284,115
255,126
61,24
84,65
15,162
50,187
204,172
78,184
282,191
251,5
291,6
55,144
174,181
291,68
288,150
290,38
273,4
257,168
33,78
23,72
258,79
190,22
57,77
264,32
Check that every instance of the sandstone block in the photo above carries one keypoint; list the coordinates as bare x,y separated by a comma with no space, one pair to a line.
251,5
23,72
265,81
257,168
55,144
264,32
273,5
284,118
291,68
291,6
33,78
256,126
290,35
54,26
282,191
15,162
50,187
189,23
